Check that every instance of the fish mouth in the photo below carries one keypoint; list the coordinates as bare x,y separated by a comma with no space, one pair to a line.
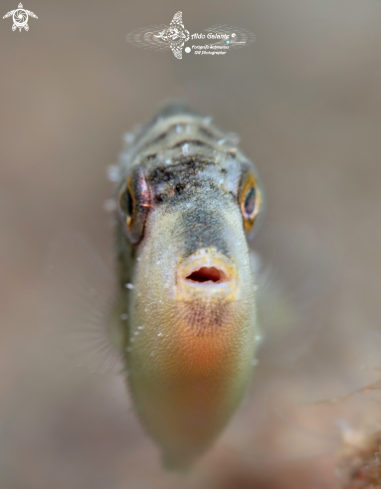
205,274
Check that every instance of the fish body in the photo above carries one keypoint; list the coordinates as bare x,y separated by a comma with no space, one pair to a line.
187,202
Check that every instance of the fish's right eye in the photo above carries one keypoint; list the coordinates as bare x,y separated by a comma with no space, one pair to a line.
133,206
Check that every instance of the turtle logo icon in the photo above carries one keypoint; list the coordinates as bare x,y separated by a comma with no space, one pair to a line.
20,18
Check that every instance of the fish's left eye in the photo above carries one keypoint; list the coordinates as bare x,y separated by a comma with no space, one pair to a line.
126,203
133,205
250,200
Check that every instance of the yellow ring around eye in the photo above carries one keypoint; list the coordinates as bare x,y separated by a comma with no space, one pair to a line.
250,201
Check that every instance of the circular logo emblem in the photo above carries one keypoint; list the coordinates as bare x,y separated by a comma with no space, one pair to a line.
20,18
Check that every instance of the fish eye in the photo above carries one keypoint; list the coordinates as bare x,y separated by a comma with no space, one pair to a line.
250,201
133,205
126,205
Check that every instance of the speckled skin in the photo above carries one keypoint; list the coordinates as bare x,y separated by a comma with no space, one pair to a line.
188,351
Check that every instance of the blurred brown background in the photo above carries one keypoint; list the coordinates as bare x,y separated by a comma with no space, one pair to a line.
306,100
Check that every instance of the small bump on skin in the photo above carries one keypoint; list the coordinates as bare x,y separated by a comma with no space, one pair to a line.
129,137
233,138
109,205
113,174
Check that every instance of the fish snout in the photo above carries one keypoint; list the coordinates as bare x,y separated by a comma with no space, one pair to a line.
206,274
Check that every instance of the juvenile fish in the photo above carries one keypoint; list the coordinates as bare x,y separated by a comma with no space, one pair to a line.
187,202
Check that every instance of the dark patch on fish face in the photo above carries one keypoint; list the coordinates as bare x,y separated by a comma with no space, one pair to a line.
171,180
201,228
179,166
162,175
180,187
207,317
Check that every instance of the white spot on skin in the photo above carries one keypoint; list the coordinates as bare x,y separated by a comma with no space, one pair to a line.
109,205
159,334
140,327
221,141
178,128
208,120
129,137
185,148
129,286
158,262
258,337
234,138
113,173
